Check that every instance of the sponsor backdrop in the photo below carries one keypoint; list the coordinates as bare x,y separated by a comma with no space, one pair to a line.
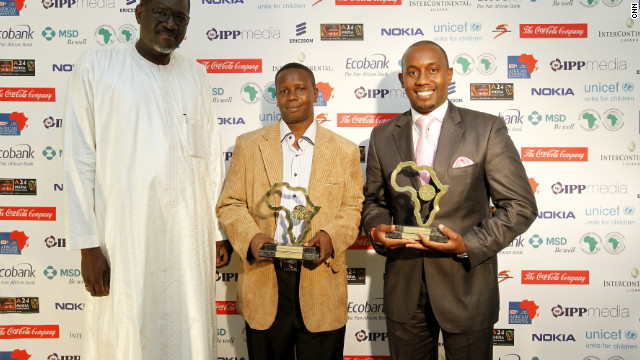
562,74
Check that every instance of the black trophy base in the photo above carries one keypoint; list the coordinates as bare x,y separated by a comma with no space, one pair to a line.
290,252
411,233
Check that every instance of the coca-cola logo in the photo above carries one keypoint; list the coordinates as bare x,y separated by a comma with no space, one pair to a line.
553,30
555,154
226,308
364,120
28,94
28,213
30,332
361,243
232,65
569,277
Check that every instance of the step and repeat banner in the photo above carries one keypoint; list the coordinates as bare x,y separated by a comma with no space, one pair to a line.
562,74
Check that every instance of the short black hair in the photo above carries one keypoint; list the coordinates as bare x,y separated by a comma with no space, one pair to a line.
427,42
297,66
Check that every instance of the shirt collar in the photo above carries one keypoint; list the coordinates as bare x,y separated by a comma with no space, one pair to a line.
309,135
438,113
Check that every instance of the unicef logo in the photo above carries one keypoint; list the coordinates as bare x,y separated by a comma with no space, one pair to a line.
556,65
535,118
631,334
557,311
535,241
212,34
557,188
628,86
361,336
476,26
50,272
360,92
629,210
47,3
48,33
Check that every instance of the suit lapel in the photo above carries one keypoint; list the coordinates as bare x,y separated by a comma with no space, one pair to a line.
403,138
449,140
271,150
322,165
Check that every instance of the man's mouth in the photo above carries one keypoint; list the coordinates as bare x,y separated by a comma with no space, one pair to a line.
424,93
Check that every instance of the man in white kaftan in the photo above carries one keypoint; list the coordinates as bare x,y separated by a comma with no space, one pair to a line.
143,172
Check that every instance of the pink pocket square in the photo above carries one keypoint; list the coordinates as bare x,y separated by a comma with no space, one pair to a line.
462,162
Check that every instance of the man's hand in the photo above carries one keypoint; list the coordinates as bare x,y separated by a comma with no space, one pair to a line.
257,242
96,272
323,241
223,253
455,245
380,236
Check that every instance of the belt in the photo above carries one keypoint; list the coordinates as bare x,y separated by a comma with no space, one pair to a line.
287,265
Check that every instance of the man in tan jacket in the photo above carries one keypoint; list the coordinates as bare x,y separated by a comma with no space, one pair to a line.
293,307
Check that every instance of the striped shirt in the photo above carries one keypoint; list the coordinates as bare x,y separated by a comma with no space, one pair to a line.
296,170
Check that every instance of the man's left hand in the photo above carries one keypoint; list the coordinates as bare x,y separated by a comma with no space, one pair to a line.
455,245
223,253
323,241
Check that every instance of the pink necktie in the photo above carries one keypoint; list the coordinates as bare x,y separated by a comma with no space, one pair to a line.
426,148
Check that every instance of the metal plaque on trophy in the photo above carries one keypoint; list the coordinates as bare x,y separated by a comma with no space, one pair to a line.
426,192
304,213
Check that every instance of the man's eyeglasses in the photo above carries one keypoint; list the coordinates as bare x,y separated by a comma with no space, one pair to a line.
161,16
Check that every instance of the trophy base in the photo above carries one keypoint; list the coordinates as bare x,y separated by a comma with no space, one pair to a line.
411,233
290,252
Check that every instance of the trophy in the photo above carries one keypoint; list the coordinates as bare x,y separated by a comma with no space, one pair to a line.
426,193
300,212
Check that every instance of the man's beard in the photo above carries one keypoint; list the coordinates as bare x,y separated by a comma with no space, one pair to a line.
163,48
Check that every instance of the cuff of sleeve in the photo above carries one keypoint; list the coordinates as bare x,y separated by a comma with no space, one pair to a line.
373,238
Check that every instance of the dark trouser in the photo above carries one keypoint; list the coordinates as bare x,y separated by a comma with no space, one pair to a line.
288,333
418,338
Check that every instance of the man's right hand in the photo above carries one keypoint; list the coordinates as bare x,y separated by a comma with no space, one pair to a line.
257,242
380,236
96,272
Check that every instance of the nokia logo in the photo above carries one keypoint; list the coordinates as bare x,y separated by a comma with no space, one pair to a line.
552,337
552,91
401,32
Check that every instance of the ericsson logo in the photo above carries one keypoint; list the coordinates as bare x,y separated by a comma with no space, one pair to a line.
301,29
